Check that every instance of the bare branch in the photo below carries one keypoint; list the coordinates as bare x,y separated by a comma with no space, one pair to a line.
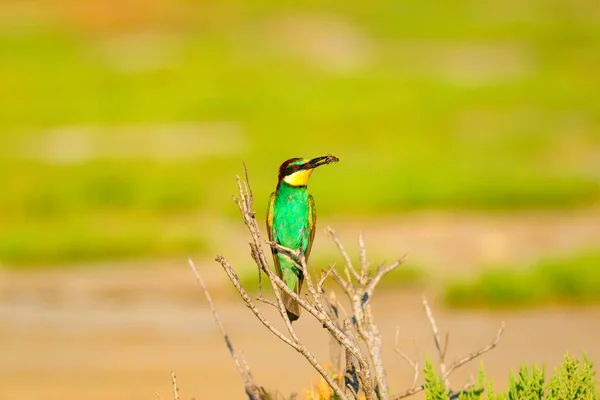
409,392
445,372
322,317
370,376
260,291
446,340
438,344
236,283
351,382
364,264
313,290
359,295
324,276
345,286
413,364
318,311
460,362
294,342
381,272
244,371
334,307
340,247
335,347
370,334
267,301
246,366
175,387
158,396
248,187
315,308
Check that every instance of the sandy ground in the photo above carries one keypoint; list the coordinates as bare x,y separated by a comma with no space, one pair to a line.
116,330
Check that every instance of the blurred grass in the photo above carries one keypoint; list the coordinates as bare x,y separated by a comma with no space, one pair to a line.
487,105
574,279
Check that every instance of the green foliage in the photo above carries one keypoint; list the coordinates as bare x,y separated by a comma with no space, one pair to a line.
475,392
575,279
491,393
434,384
573,380
528,385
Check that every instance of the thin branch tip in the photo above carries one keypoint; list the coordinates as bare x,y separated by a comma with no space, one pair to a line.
175,387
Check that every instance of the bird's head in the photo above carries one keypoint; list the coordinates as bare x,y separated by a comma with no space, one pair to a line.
296,171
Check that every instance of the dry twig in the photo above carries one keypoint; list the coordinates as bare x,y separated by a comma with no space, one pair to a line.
438,343
462,361
413,364
445,372
252,389
359,293
175,387
351,382
294,341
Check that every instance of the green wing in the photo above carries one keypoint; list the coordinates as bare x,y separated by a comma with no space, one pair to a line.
270,211
291,306
312,223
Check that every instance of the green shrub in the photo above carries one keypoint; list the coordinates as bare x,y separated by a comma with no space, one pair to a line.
434,384
572,380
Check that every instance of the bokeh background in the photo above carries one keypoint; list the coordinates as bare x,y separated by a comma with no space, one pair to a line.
468,134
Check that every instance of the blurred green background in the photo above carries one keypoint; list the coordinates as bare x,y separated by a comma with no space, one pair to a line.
123,123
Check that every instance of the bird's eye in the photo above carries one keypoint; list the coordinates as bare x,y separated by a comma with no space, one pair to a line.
296,167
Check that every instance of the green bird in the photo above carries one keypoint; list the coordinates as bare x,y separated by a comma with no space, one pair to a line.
291,220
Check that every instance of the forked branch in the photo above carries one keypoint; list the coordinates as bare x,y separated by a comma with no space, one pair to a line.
441,349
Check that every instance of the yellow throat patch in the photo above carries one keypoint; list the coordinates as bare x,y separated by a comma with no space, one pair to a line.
299,178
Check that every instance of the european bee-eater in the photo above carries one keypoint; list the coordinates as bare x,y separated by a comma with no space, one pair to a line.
291,220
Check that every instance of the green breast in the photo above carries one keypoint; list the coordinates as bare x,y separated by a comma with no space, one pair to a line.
290,216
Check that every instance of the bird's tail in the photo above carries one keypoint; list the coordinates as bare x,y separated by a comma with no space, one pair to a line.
291,306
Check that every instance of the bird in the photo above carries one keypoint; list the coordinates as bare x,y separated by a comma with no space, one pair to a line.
291,221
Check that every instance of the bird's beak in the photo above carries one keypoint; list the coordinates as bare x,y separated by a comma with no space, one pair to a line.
316,162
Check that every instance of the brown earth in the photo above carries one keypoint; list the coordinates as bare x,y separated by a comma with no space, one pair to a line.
116,330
